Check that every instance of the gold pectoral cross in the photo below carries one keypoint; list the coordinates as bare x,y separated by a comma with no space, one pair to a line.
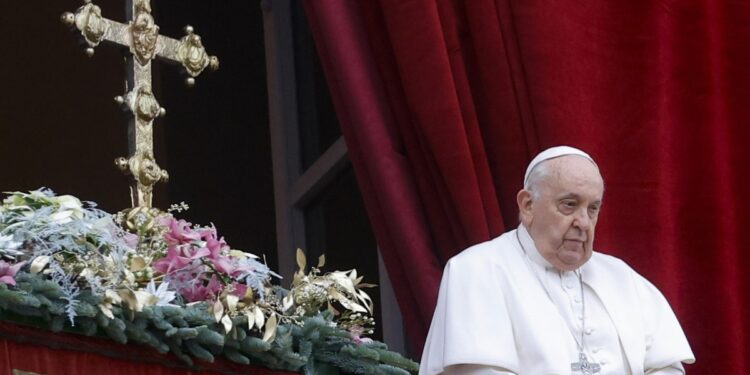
141,36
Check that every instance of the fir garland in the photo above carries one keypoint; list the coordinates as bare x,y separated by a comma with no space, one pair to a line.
316,346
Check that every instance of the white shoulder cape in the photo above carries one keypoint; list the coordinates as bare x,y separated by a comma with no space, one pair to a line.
492,311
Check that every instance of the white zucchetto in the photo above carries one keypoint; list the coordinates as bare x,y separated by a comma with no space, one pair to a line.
551,153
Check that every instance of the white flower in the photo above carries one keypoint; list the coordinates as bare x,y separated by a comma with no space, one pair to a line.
69,208
7,243
165,296
69,202
10,247
61,217
39,194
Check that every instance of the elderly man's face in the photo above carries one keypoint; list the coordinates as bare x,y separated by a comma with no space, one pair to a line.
561,219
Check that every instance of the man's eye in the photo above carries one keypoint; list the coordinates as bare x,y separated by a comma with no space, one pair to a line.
569,204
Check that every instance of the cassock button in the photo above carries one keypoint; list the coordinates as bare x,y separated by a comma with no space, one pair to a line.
589,330
569,285
577,299
595,350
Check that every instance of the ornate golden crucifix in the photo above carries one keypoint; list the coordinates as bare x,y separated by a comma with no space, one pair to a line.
141,36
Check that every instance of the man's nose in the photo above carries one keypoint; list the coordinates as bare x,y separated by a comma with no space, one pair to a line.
582,220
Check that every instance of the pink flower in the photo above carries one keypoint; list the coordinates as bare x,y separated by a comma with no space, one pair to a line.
8,272
239,290
180,232
131,240
213,242
179,257
193,289
217,246
356,332
223,264
208,233
164,220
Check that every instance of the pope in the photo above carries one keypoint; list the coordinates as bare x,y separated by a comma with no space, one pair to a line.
540,300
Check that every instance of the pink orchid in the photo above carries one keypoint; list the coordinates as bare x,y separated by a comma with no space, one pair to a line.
213,242
164,220
208,233
180,232
217,246
194,290
8,272
356,332
178,257
223,264
239,290
131,240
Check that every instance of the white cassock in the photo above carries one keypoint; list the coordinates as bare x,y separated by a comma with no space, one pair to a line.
503,309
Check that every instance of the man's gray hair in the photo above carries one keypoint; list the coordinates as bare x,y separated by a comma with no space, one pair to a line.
537,174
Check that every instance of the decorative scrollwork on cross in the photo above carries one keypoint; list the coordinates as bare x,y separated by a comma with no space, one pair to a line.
143,33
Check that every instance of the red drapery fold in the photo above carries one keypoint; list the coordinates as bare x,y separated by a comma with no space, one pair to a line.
443,103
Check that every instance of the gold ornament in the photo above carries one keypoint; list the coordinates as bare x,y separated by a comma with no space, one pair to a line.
88,19
310,296
144,33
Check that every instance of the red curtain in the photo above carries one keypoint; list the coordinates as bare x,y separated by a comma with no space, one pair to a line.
443,103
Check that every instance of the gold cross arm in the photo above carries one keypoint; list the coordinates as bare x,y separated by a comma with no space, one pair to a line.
141,36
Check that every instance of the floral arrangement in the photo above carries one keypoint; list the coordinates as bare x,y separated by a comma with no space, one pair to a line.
146,276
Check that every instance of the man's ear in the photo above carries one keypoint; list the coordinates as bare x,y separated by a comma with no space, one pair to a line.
525,204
